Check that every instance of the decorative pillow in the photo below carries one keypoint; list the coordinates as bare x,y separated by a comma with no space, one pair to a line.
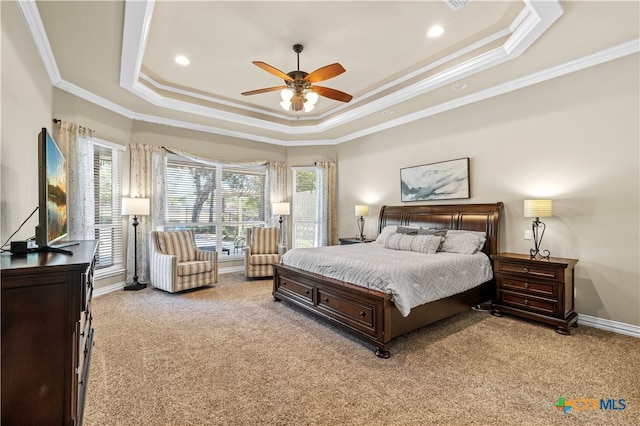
410,230
462,242
419,243
432,231
384,234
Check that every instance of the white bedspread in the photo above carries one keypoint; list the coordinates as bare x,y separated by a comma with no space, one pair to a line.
411,278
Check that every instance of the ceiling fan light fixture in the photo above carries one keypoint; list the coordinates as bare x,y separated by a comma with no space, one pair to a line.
286,105
286,95
311,97
308,106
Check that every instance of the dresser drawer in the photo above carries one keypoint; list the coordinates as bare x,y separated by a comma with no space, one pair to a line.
531,304
299,291
355,313
529,269
544,289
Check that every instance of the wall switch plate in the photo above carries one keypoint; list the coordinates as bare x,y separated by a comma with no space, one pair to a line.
528,234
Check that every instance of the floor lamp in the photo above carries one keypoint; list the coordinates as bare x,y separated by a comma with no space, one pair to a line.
280,209
135,207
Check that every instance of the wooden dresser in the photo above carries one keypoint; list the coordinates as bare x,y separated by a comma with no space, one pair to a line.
537,289
46,335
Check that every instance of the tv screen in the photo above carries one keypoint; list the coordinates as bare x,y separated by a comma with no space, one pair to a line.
52,189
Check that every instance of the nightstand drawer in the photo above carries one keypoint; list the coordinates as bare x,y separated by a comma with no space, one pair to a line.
529,287
534,270
530,304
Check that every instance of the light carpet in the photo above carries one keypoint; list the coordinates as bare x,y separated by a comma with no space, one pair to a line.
231,355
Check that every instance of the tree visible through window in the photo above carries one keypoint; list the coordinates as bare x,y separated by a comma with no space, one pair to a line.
307,201
218,202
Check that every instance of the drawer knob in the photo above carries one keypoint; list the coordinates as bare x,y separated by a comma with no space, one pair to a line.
526,301
283,283
526,285
326,300
306,292
362,314
526,270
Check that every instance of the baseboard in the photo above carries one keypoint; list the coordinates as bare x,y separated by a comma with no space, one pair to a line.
609,325
97,292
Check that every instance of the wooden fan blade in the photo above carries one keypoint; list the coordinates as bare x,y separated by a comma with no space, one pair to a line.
325,73
272,70
332,93
265,90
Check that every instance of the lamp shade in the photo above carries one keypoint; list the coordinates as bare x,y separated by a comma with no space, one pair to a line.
281,209
362,210
537,208
135,206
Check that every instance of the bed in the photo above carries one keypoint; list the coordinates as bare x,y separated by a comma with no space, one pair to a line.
371,315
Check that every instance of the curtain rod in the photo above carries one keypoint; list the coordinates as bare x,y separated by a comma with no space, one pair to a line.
57,121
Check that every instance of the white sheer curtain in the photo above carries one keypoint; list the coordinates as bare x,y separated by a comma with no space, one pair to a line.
80,183
328,234
147,177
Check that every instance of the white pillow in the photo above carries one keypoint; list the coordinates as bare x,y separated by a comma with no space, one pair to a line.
462,242
419,243
386,231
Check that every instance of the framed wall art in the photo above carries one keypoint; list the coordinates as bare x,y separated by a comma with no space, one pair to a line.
446,180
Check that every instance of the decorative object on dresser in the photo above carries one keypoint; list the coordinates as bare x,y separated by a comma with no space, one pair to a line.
539,289
446,180
371,315
281,209
135,207
538,209
362,211
177,264
47,335
357,240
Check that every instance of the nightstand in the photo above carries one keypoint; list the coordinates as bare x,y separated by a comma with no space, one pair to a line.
345,241
536,289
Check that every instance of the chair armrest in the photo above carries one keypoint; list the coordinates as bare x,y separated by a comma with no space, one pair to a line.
282,249
207,255
163,269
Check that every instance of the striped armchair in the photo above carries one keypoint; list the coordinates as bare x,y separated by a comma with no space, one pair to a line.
262,251
176,264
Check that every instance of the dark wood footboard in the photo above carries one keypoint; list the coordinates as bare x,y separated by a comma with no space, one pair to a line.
370,315
361,312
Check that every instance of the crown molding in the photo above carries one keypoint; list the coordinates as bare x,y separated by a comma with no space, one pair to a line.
527,28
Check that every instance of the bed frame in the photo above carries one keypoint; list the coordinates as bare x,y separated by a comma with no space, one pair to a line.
370,315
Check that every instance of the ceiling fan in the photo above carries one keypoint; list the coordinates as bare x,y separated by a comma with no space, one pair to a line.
300,91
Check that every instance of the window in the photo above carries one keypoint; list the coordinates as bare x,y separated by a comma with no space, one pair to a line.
217,201
108,220
306,209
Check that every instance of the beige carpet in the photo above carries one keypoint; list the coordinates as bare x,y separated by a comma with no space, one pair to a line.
231,355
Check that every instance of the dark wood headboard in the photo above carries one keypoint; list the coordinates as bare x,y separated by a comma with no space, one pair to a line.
472,217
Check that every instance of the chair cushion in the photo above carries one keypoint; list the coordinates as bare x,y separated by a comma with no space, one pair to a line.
264,240
193,267
264,259
180,244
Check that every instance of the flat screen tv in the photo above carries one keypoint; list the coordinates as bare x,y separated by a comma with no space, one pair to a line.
52,194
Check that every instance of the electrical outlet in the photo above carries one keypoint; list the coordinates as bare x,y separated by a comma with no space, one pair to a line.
527,234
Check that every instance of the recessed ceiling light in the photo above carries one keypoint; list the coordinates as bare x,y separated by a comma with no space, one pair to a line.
435,31
182,60
459,86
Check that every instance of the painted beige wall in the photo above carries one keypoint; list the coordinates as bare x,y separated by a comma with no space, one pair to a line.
26,108
574,139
